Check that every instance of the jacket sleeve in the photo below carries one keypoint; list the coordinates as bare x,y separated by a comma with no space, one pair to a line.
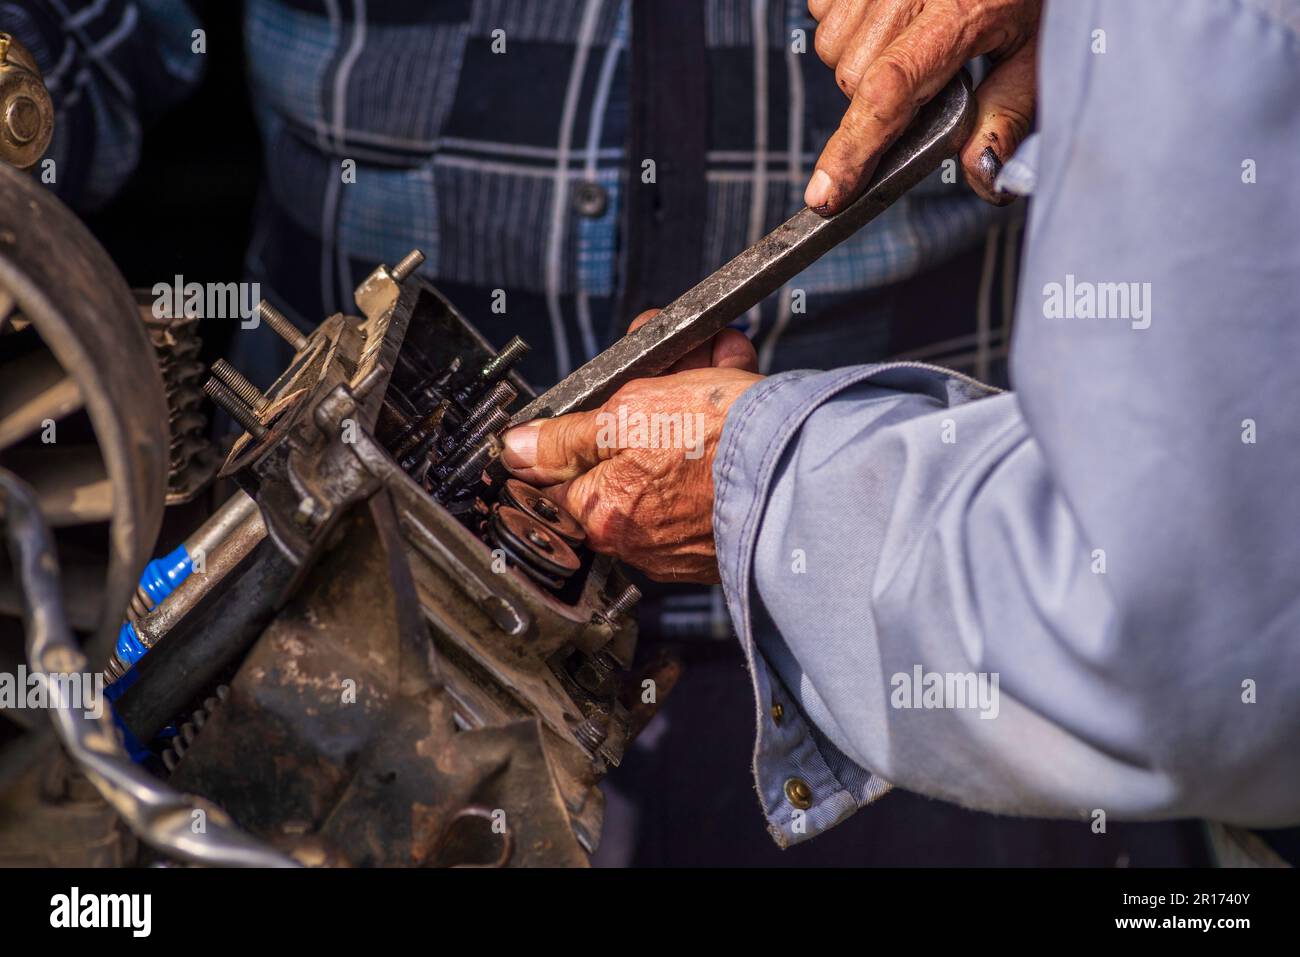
111,66
1084,595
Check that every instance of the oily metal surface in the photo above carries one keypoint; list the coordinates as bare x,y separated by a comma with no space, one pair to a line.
696,316
535,541
69,289
532,502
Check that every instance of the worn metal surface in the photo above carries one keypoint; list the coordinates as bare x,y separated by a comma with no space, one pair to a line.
157,813
399,691
26,110
338,742
696,316
193,460
68,290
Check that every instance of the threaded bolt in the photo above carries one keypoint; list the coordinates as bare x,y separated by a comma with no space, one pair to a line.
493,423
591,734
501,395
499,365
235,381
409,264
281,325
624,603
469,470
220,393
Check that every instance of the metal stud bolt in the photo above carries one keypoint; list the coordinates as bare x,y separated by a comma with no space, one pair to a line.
281,325
409,264
238,384
235,407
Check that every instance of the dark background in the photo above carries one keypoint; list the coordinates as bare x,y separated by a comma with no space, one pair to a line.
188,209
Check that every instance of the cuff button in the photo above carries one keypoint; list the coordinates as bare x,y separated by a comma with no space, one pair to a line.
799,793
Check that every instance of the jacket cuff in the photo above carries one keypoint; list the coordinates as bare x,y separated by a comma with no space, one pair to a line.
805,785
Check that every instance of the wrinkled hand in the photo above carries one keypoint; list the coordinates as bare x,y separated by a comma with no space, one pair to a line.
651,507
892,56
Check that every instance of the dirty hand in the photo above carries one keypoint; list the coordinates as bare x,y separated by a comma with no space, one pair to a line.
638,471
892,56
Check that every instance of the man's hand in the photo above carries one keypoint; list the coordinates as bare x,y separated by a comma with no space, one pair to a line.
892,56
649,506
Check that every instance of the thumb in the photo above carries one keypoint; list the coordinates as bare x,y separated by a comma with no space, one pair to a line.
547,451
1006,106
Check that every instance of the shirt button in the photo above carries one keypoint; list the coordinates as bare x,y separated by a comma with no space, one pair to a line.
799,793
778,712
590,199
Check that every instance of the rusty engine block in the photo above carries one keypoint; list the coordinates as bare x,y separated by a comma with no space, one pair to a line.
387,653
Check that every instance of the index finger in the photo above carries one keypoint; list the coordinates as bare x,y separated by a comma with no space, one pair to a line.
894,87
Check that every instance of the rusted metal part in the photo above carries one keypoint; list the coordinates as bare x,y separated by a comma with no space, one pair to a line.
535,546
532,502
83,314
52,817
26,110
335,564
200,645
193,459
221,557
652,685
157,814
338,744
940,128
379,582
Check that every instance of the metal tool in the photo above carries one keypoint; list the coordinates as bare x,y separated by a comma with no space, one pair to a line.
940,128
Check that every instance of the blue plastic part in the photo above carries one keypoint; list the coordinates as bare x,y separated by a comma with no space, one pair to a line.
129,647
162,575
160,578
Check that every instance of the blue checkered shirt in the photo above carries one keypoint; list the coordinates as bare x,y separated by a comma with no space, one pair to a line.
494,136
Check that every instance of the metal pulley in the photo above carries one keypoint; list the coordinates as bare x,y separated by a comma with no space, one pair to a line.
537,506
532,546
26,110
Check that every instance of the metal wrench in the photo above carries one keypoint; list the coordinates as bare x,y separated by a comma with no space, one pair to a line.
939,130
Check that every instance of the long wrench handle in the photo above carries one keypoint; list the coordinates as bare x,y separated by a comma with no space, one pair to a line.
939,130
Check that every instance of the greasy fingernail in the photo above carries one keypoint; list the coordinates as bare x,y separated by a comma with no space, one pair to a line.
818,192
520,447
990,167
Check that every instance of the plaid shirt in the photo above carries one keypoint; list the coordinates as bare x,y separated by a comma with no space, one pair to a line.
495,136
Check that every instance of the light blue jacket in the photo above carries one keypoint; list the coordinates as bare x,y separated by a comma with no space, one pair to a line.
1117,541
